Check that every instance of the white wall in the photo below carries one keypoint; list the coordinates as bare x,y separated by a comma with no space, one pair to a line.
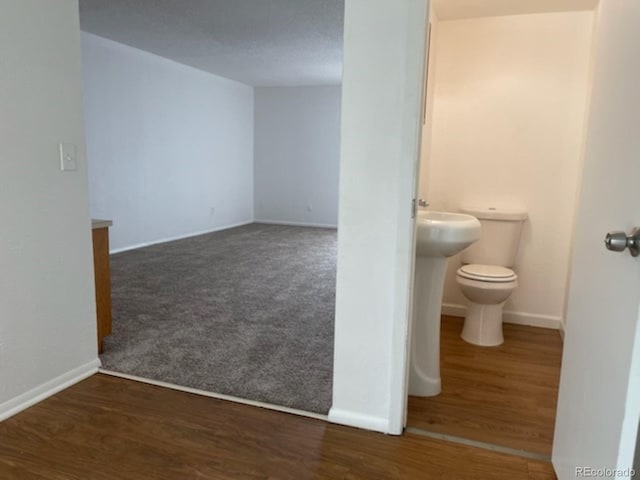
297,154
47,303
381,93
509,112
166,143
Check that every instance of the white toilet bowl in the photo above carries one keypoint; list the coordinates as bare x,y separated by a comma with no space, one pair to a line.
486,287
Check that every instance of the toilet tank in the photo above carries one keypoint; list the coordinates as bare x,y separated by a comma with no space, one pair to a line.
499,238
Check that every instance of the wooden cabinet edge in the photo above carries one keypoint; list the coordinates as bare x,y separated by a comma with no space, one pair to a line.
102,276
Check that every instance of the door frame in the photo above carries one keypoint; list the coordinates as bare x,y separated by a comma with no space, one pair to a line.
401,352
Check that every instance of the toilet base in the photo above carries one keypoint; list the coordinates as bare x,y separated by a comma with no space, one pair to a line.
483,325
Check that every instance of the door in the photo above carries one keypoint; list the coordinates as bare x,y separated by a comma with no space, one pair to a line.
599,402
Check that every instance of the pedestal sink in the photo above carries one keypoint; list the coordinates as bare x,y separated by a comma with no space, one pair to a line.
440,236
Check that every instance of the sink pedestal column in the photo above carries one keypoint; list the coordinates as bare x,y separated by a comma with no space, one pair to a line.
424,371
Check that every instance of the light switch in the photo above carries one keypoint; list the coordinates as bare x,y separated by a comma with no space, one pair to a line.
68,159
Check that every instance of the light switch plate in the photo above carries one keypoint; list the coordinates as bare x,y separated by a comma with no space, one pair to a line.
68,157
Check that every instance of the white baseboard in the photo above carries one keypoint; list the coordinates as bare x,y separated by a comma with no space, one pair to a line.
296,224
47,389
179,237
517,318
358,420
218,396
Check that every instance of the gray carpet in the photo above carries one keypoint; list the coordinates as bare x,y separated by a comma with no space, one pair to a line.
247,312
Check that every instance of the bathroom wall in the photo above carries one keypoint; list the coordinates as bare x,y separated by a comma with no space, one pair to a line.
297,154
170,148
509,110
47,302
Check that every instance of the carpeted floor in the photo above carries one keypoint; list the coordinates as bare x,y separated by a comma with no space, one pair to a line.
247,312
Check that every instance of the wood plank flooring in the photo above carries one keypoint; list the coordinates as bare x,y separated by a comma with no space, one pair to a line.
111,428
502,395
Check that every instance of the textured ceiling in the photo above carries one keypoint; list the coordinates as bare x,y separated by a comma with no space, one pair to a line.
257,42
457,9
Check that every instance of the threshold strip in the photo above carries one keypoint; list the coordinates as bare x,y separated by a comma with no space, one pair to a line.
218,396
475,443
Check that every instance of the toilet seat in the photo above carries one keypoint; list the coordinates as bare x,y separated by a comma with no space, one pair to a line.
487,273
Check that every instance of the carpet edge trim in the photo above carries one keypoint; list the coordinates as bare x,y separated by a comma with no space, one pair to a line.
217,396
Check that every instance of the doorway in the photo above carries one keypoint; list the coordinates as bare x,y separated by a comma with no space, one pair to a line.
216,156
506,109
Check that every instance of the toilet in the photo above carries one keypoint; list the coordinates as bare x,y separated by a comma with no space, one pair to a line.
485,277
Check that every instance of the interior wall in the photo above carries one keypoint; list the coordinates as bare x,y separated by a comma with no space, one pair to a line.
297,155
509,111
170,148
47,303
381,107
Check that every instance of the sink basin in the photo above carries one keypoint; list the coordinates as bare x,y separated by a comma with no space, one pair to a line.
440,236
443,234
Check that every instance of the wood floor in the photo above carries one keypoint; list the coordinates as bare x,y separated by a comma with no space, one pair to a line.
111,428
502,395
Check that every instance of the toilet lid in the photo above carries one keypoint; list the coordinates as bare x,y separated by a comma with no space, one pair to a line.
487,273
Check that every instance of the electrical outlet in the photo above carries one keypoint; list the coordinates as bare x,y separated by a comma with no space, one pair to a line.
212,211
68,157
309,207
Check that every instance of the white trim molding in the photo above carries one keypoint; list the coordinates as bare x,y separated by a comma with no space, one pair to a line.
217,396
516,318
180,237
296,224
358,420
47,389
